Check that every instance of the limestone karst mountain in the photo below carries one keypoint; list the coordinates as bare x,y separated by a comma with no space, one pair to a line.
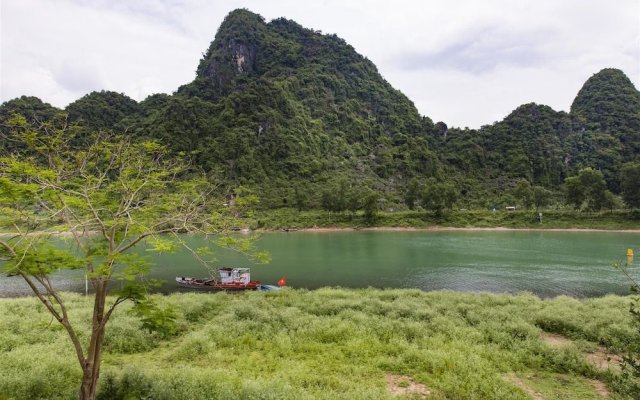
291,113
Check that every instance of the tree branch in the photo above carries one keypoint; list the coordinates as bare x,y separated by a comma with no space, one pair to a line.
141,237
64,320
118,301
6,245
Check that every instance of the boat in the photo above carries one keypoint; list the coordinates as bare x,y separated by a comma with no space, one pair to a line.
282,282
229,279
268,288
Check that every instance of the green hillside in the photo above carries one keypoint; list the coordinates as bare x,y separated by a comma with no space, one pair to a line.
298,116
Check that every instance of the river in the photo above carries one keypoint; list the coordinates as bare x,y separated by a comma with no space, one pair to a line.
542,262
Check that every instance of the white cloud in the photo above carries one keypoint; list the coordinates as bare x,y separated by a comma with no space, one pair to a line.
467,63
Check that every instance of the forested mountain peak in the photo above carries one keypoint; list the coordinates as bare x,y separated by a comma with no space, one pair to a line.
102,110
248,52
277,102
231,54
298,116
609,101
30,107
532,111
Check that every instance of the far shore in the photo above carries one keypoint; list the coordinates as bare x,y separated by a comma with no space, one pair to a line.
446,229
379,229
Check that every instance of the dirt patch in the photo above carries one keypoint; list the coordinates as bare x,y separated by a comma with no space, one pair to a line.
555,340
600,388
402,385
522,385
603,360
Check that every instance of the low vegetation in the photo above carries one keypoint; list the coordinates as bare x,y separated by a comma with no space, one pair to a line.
286,218
331,344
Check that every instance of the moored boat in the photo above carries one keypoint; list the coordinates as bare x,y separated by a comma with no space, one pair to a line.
230,279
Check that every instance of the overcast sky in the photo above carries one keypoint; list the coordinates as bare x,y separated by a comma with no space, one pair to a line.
467,63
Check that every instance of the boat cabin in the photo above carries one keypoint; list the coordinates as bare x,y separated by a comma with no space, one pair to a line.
235,275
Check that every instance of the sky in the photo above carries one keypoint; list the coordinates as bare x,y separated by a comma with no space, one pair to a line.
465,62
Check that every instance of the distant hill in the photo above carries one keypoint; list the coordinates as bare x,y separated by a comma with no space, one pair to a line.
291,114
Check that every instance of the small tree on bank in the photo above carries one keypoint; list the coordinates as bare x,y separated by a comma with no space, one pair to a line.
630,184
587,189
109,195
524,193
439,196
541,197
412,193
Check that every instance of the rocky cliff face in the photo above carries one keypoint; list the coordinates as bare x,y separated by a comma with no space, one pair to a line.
231,55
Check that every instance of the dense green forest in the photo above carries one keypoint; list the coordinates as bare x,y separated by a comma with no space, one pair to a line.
303,120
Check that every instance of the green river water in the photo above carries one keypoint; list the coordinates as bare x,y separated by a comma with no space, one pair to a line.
545,263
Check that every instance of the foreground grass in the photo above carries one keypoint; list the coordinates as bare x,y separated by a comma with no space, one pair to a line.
325,344
287,218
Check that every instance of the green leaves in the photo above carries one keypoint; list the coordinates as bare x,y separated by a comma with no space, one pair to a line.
109,195
587,189
439,196
161,245
155,318
129,267
40,258
524,193
262,257
244,245
630,184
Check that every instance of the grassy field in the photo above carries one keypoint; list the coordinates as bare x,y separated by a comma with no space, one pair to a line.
331,344
287,218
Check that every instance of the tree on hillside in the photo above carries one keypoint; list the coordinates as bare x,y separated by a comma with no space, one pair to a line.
439,196
574,192
587,189
541,197
524,193
370,205
109,197
611,201
334,197
412,194
301,198
630,184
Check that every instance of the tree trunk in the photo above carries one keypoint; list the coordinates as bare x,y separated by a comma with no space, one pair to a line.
88,387
91,367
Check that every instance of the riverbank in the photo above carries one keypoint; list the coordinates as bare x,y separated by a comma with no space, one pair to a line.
449,229
333,344
288,219
291,219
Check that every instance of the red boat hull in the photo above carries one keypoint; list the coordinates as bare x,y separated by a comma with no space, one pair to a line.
201,284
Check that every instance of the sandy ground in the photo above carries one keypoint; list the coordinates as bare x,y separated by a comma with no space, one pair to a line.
452,229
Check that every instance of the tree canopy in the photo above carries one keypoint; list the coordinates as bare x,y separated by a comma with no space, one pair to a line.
107,194
588,190
630,184
280,108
